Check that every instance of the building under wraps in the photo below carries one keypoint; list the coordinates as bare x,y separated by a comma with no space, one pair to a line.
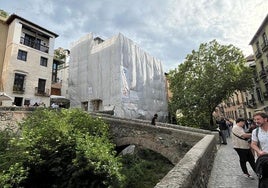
116,75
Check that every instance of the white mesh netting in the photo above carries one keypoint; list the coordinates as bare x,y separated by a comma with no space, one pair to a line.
116,75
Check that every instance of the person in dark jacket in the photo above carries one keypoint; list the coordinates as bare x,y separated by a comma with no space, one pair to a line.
262,170
223,130
154,119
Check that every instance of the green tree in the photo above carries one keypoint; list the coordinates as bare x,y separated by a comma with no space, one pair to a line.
3,14
66,148
144,168
60,54
206,78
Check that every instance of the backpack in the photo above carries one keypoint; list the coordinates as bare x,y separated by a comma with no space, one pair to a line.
257,133
262,170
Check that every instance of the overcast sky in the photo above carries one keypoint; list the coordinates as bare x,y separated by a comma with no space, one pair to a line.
166,29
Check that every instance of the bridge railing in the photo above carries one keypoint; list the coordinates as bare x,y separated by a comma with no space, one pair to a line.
193,170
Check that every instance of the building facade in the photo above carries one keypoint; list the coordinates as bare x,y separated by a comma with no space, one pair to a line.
27,63
60,73
245,104
242,104
259,45
116,75
3,40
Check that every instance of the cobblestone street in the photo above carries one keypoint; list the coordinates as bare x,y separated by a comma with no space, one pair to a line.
226,171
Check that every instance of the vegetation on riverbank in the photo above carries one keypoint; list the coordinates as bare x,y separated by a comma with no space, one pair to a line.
69,148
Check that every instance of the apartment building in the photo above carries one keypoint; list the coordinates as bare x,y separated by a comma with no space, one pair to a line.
27,62
240,104
3,40
259,45
60,73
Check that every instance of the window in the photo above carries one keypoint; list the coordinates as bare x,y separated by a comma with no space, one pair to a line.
43,61
27,102
258,45
18,82
29,40
259,95
262,65
54,71
41,86
265,40
22,55
32,42
18,101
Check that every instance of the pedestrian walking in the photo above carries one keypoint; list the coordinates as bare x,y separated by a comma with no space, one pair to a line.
229,127
223,130
242,147
154,119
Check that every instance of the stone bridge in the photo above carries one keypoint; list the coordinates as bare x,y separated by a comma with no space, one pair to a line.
191,150
171,143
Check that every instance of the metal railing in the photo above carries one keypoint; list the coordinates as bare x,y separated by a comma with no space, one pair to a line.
34,44
41,92
18,90
264,45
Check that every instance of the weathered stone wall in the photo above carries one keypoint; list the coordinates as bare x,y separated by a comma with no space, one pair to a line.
194,169
170,143
9,119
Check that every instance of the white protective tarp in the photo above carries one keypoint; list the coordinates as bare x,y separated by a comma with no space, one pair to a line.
118,75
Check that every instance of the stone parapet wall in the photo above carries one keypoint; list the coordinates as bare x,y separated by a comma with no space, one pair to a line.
170,143
10,119
159,124
193,167
193,170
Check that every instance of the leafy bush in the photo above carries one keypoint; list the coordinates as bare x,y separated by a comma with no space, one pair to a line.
66,148
145,168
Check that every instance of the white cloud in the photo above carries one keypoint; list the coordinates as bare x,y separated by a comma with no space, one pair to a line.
168,30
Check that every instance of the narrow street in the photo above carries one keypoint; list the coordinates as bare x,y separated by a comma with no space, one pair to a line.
226,171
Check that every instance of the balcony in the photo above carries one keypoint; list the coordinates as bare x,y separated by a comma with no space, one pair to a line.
256,78
251,103
265,81
264,45
18,90
257,53
265,94
34,44
41,92
262,74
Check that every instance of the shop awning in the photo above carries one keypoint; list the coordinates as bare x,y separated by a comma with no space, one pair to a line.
59,99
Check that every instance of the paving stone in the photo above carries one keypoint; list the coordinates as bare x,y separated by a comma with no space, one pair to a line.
226,171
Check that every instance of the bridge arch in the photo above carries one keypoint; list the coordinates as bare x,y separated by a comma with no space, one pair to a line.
143,142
